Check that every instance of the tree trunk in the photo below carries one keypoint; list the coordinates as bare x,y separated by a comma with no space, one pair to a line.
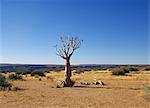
68,74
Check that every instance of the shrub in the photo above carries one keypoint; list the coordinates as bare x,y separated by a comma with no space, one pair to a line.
147,69
132,69
3,82
118,71
18,72
78,71
57,70
126,70
94,69
3,71
87,69
37,72
14,77
46,71
24,71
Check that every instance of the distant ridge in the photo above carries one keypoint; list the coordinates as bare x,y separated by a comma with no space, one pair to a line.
5,64
12,67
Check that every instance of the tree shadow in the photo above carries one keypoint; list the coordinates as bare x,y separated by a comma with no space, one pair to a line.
79,86
105,87
131,88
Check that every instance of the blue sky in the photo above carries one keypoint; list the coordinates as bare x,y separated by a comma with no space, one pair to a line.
114,31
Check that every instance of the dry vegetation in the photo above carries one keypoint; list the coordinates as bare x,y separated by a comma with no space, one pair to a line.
118,92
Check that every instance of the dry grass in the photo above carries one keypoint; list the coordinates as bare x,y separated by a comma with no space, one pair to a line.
119,92
108,76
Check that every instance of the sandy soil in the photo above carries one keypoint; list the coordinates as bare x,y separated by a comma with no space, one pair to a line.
119,92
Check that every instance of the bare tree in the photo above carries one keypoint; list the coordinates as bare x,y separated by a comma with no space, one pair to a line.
66,50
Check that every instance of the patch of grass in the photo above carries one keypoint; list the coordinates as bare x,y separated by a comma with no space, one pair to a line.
147,89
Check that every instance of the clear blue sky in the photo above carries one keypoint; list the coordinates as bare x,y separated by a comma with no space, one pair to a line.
114,31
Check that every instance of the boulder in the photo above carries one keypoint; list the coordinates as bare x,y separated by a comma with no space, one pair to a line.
84,83
99,82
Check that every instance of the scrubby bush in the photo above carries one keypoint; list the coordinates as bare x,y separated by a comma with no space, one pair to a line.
78,71
46,71
57,70
37,72
147,69
14,77
18,72
119,71
132,69
87,69
3,71
95,69
102,69
24,71
126,70
3,82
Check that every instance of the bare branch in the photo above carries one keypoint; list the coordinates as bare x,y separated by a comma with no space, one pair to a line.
59,52
68,46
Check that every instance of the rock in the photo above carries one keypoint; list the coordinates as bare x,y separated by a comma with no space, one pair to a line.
99,82
96,83
84,83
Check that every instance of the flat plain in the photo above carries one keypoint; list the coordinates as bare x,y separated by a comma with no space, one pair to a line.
118,92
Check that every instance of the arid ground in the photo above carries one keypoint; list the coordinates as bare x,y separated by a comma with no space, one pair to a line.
118,92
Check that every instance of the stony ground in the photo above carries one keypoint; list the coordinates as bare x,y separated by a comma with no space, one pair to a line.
119,92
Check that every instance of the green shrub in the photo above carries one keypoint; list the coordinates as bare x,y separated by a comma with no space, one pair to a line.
37,72
24,71
85,69
3,82
14,77
46,71
119,71
18,72
132,69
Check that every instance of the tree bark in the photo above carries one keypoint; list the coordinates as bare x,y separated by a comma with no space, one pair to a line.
68,74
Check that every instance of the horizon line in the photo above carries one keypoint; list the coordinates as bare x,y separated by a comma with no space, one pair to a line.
75,64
